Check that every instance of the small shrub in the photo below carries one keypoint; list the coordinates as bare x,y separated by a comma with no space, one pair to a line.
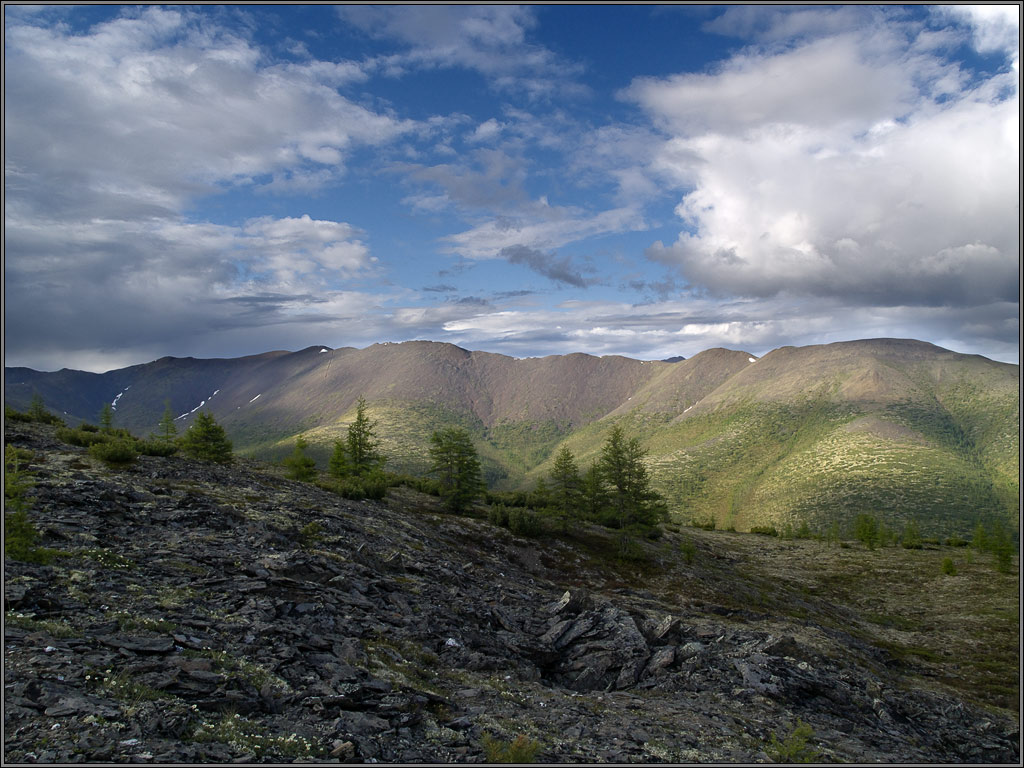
311,534
155,447
11,414
795,747
299,465
20,536
520,750
37,412
498,515
956,541
948,567
524,522
689,550
707,524
371,486
114,452
764,530
87,427
20,539
82,437
630,550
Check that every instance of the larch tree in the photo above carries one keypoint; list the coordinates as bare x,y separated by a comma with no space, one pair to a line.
457,467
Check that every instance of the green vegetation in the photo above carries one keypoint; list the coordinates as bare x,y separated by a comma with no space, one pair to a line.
20,536
206,440
457,467
359,454
356,465
631,500
166,430
566,494
299,465
796,747
115,453
520,750
107,418
865,530
37,412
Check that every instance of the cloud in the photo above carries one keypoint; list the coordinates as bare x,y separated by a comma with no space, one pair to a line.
994,27
546,227
856,166
560,270
140,115
490,39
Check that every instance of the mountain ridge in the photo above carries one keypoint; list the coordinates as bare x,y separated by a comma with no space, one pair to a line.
893,427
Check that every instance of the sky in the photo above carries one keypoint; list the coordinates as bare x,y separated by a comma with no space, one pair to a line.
642,180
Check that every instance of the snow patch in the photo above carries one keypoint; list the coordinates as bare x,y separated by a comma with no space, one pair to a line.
254,399
204,402
686,409
113,405
324,350
751,360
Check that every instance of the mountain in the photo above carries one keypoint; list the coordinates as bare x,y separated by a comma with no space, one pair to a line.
193,613
815,435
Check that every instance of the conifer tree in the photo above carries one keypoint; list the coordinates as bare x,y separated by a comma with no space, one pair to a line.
206,440
107,418
566,491
621,466
594,495
300,466
166,429
359,453
455,462
362,444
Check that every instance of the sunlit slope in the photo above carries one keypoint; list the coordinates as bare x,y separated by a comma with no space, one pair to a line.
901,430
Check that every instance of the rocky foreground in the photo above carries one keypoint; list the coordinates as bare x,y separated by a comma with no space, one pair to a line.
198,616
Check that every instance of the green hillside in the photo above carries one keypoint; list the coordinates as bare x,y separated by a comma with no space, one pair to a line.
899,429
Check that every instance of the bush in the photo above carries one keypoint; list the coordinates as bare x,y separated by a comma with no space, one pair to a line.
37,412
689,549
795,747
114,452
521,750
498,514
20,536
707,524
311,534
299,465
155,448
81,437
948,567
524,522
956,541
764,530
10,414
371,486
426,485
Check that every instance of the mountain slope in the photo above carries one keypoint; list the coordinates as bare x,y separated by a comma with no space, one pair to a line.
202,613
900,429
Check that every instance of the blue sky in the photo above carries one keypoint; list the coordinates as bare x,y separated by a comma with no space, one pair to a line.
641,180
